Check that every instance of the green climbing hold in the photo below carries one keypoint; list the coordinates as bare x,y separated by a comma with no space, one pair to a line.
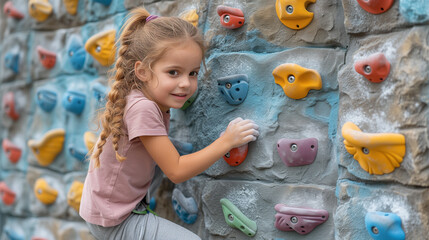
235,218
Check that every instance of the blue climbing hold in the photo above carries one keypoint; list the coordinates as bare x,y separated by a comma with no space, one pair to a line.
46,99
74,102
78,153
100,91
152,203
384,226
12,235
186,208
234,88
414,11
76,53
11,61
104,2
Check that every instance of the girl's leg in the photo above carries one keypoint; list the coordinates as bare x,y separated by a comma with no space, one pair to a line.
143,227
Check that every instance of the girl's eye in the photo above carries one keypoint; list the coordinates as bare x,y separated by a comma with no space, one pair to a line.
193,74
173,72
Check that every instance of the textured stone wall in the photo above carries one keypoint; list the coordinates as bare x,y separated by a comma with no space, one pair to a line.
340,34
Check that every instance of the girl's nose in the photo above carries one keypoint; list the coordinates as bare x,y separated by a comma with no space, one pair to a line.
184,82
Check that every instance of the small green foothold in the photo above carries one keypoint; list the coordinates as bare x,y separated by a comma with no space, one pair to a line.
189,101
236,219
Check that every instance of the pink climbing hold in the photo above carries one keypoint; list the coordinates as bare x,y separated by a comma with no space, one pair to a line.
297,152
375,68
300,220
375,6
46,57
11,11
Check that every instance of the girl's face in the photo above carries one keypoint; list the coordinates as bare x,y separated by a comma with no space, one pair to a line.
174,77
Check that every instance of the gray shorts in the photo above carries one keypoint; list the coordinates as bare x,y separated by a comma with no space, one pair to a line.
142,227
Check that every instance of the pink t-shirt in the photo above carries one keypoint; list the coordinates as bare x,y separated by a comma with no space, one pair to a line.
112,190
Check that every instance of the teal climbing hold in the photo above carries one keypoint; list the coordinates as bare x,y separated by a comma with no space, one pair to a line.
384,226
236,219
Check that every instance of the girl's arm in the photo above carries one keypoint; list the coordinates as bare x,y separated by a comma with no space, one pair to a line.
181,168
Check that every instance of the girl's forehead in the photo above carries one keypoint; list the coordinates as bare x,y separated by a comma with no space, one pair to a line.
185,53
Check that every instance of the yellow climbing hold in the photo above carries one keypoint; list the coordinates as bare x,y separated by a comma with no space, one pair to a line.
102,47
48,147
293,13
295,80
191,16
39,9
377,153
89,139
45,193
75,194
71,6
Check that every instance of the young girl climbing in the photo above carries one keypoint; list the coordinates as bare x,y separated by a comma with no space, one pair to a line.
157,68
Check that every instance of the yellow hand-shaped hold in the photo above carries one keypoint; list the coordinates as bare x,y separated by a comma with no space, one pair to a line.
295,80
75,194
39,9
191,16
89,139
48,147
293,13
102,47
377,153
45,193
71,6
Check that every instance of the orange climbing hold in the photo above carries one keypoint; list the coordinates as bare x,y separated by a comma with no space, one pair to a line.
45,193
377,153
230,18
375,6
11,11
296,81
47,149
39,9
191,16
75,194
46,57
375,68
293,13
6,194
102,47
12,151
236,155
71,6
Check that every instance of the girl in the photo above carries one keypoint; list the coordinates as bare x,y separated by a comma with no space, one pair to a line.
156,69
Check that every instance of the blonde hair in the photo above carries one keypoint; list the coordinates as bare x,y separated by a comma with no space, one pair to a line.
139,41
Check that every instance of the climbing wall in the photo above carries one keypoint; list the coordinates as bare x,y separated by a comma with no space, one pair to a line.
338,88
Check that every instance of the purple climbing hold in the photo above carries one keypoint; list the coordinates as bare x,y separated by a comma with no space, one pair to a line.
297,152
300,220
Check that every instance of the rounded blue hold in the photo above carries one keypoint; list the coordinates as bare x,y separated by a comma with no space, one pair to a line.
414,11
234,88
76,53
185,208
74,102
78,154
46,99
11,61
104,2
152,203
384,226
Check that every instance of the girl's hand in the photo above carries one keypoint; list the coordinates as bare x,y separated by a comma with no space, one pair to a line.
240,132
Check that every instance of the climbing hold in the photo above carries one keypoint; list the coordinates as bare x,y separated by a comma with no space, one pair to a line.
71,6
377,153
295,80
297,152
39,9
414,11
12,235
11,61
48,147
185,208
293,13
375,6
384,226
230,18
190,101
11,11
375,68
300,220
78,153
12,151
45,193
74,102
190,16
104,2
47,58
6,194
233,88
236,219
89,139
236,155
76,53
46,99
8,105
101,46
100,91
75,194
182,147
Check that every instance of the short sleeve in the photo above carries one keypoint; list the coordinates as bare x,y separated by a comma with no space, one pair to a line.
144,118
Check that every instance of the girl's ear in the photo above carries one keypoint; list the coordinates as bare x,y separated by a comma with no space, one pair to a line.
141,71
